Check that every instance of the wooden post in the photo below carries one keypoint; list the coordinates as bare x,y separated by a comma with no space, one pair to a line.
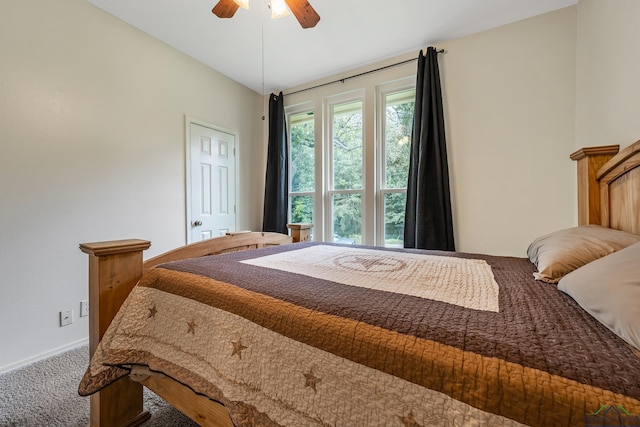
300,232
114,269
590,160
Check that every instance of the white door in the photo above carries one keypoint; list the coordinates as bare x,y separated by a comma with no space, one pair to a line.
211,187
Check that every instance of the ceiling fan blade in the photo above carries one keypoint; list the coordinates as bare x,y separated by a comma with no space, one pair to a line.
225,9
304,12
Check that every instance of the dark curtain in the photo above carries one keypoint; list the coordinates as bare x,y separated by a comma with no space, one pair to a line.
276,191
428,223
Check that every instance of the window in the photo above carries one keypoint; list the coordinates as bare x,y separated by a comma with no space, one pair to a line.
351,184
302,167
346,163
397,110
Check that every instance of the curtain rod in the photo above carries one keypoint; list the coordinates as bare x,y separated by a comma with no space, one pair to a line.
357,75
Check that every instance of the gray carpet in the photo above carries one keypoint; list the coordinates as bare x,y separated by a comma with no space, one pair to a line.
46,394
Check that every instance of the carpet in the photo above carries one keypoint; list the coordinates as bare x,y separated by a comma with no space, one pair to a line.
45,394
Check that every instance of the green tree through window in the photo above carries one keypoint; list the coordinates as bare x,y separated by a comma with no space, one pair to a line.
302,164
341,207
347,166
399,108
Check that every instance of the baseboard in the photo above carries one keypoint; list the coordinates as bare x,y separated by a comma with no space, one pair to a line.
45,355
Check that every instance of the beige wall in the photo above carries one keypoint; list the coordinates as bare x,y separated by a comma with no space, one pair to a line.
510,103
509,108
92,148
607,79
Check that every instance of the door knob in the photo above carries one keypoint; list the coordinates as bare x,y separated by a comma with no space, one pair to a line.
197,223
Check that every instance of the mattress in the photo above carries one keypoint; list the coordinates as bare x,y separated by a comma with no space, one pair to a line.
326,334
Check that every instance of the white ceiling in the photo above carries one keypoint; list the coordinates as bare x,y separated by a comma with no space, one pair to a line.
351,33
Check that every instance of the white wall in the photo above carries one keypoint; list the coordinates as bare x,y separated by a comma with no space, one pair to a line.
92,148
607,80
509,108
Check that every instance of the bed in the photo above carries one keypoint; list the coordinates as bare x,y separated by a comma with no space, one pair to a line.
294,334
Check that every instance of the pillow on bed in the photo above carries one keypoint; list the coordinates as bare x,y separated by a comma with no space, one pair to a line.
609,290
561,252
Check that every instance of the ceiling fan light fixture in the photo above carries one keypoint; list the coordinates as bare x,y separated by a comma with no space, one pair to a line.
279,9
301,9
242,3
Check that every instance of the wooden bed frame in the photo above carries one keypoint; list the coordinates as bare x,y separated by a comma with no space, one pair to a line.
609,186
114,269
608,194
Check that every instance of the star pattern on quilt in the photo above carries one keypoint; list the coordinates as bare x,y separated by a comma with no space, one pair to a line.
192,327
152,311
238,347
369,263
409,420
311,380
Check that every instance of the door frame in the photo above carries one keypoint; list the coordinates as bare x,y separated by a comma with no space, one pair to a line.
187,125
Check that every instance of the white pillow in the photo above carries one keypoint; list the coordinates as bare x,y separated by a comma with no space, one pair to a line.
609,290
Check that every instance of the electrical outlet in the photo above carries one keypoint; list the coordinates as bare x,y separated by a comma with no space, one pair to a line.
66,317
84,308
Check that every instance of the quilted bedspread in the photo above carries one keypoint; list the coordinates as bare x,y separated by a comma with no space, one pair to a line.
320,334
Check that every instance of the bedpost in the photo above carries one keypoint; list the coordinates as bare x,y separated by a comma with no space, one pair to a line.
590,160
300,232
114,269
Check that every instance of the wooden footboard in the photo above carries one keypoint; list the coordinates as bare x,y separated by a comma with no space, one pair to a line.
114,269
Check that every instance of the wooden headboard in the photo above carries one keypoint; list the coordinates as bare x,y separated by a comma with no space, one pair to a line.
609,186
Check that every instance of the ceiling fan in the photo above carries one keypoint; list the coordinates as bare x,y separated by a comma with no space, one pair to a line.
301,9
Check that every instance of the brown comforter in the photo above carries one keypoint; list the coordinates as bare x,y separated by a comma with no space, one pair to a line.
283,344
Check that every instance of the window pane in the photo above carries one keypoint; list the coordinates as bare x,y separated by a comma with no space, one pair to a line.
302,209
399,120
301,168
347,218
394,208
347,146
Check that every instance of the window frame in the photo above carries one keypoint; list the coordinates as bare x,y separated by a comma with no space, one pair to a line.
330,191
307,107
371,92
382,91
